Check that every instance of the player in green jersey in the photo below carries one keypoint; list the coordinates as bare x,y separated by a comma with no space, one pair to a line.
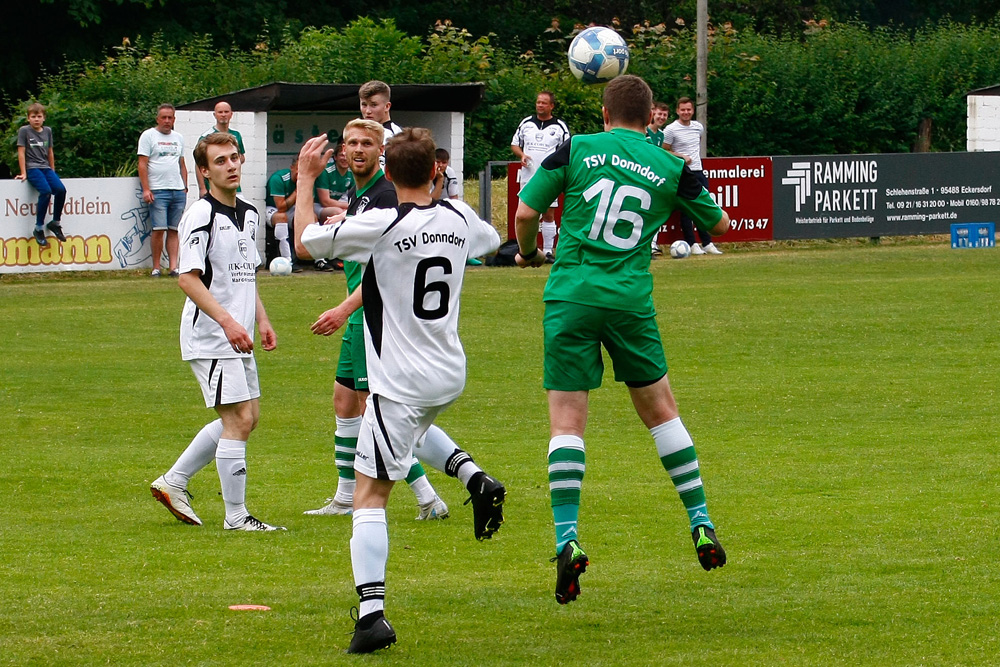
618,189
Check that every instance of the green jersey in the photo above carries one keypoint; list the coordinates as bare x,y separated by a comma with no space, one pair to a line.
619,189
654,137
338,184
280,184
377,193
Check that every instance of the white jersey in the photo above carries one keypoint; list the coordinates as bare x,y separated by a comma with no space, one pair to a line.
686,140
538,139
390,130
415,258
220,242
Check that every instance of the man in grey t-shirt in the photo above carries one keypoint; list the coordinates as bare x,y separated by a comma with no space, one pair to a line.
38,166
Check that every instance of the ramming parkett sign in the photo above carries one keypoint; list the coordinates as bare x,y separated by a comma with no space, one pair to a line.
883,195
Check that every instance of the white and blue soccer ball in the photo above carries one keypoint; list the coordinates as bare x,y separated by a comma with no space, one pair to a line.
598,55
280,266
680,249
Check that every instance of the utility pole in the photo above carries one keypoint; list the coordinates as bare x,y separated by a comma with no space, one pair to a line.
701,73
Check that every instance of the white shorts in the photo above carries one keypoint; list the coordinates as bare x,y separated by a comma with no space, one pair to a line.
389,431
227,381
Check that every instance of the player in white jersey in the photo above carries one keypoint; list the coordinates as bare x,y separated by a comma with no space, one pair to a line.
535,139
416,363
376,101
218,261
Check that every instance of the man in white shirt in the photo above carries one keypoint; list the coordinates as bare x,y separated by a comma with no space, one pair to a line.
218,264
163,176
416,364
535,139
683,138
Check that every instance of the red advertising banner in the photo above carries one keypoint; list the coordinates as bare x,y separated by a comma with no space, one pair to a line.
743,187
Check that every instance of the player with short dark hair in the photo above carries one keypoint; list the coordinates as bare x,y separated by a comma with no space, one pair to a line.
217,265
416,364
618,188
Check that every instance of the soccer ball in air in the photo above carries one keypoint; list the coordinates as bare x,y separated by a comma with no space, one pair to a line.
280,266
598,55
680,249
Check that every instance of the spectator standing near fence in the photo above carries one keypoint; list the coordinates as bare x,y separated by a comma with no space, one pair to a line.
163,176
683,138
37,160
223,115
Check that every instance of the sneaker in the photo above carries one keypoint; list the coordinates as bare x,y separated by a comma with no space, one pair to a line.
435,509
549,258
572,562
174,273
155,273
39,235
696,249
656,250
710,552
371,633
487,500
323,265
175,499
712,250
332,507
337,264
251,523
56,229
472,261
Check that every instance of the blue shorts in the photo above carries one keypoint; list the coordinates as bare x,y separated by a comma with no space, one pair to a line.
167,209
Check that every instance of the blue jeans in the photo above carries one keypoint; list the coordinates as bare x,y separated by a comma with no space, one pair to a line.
47,182
167,209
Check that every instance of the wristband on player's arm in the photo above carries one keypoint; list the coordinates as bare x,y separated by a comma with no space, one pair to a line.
529,256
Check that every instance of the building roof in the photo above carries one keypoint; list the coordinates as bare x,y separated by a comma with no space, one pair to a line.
989,90
282,96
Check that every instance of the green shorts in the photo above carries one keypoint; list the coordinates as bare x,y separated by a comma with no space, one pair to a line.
574,334
352,368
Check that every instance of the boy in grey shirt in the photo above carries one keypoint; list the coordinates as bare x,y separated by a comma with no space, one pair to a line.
38,166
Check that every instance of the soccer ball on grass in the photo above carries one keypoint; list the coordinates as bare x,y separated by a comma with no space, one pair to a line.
680,249
280,266
598,55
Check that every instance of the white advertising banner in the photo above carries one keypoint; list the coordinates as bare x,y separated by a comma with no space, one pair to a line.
105,221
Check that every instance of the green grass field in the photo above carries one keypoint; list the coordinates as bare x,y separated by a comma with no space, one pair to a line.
842,400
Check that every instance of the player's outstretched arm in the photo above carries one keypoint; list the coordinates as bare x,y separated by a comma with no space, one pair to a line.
334,318
238,337
526,229
268,339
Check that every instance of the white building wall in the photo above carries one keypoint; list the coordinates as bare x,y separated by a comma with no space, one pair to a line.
983,123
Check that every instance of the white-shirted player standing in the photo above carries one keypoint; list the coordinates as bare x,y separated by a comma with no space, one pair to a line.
218,263
416,363
535,139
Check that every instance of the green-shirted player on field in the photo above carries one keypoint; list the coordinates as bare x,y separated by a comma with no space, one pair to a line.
619,188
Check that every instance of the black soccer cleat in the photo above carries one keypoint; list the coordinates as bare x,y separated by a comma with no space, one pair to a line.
571,563
710,552
56,229
487,500
39,235
371,633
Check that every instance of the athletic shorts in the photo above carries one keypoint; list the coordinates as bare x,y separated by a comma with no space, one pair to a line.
227,381
352,366
389,432
574,334
167,209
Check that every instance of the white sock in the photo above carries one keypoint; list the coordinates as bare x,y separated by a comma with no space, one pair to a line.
281,235
230,459
548,236
422,488
670,437
198,454
435,448
369,555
